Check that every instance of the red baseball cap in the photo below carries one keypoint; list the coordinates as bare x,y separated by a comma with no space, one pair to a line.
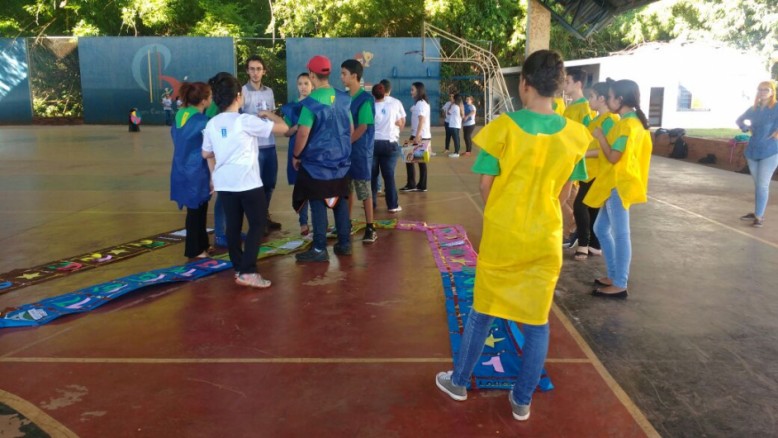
320,65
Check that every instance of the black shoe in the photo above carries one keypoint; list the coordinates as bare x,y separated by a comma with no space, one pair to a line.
618,295
342,250
407,189
370,235
273,225
419,189
599,283
313,255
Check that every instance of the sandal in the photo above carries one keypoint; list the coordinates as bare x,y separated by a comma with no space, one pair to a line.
253,280
580,255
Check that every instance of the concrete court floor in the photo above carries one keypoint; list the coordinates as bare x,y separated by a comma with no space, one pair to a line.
694,346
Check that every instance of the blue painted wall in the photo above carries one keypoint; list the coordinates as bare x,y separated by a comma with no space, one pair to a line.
15,97
396,59
119,73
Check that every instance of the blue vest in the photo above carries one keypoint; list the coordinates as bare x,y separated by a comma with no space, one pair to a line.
362,149
292,112
189,175
327,155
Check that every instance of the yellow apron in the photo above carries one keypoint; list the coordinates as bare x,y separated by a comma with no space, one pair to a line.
593,164
579,110
521,247
629,175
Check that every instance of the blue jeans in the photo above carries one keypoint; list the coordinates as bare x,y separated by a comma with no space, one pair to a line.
304,213
612,229
533,354
385,155
762,171
268,170
455,136
319,221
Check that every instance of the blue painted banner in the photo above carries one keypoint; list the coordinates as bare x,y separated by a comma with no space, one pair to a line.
395,59
15,97
120,73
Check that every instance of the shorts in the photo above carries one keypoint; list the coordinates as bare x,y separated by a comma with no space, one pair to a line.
362,187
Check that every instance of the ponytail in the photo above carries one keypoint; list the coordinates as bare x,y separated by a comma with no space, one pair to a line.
642,117
629,94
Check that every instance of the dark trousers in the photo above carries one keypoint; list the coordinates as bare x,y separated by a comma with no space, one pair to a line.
385,155
412,176
253,205
448,135
455,135
467,131
196,232
585,217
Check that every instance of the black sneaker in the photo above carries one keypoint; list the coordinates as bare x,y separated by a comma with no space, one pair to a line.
417,189
370,235
407,189
342,250
313,255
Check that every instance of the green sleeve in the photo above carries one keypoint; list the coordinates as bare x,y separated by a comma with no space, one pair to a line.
579,172
486,164
587,120
365,115
306,118
620,144
607,124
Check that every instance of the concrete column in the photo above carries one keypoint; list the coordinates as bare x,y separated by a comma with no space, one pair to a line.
538,27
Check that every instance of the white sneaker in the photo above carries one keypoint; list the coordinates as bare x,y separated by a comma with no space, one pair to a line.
453,156
395,210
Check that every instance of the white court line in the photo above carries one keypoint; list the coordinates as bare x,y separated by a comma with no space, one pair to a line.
714,221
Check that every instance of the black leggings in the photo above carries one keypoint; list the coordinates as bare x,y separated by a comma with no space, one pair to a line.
196,231
253,205
467,132
585,217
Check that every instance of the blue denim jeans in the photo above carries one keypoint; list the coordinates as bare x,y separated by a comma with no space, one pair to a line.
268,170
532,359
455,136
319,221
304,213
612,229
762,171
385,156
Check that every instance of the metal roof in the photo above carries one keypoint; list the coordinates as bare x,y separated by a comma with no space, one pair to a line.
584,17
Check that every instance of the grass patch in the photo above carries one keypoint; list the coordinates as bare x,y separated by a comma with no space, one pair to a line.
725,133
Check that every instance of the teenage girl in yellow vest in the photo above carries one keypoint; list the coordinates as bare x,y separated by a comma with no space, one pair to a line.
588,244
622,180
526,158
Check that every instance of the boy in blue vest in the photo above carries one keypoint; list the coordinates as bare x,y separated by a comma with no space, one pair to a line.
321,155
362,142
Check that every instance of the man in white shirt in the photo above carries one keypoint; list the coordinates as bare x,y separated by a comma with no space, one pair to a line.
256,98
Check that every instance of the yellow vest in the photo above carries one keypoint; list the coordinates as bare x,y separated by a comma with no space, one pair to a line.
579,110
520,256
629,175
593,164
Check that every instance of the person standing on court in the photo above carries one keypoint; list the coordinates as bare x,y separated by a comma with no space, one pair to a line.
291,112
421,134
190,178
256,98
444,113
321,155
362,142
456,112
387,147
468,125
526,158
231,146
621,182
762,150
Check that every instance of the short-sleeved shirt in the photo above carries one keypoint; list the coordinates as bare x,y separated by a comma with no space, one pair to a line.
255,100
398,106
325,96
420,109
233,139
386,117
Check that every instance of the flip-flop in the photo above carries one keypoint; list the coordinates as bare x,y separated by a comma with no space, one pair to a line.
580,256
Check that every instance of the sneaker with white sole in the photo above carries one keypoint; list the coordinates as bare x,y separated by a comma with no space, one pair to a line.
444,383
313,255
454,155
370,235
396,210
253,280
520,412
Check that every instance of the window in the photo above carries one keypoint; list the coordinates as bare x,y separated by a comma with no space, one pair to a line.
688,101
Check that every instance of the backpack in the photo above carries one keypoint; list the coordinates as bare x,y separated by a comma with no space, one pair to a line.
680,149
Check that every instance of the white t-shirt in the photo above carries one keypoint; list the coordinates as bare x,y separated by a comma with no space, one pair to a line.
398,106
420,109
469,120
446,107
387,113
454,117
233,138
255,101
